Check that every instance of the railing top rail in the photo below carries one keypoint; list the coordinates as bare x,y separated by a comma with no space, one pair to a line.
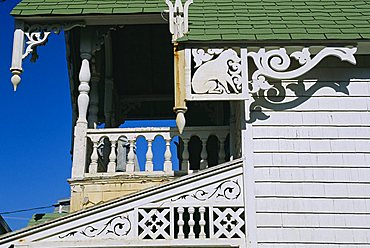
155,129
128,130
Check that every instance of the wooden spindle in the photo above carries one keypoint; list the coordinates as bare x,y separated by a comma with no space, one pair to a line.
93,167
112,157
149,157
180,223
203,155
191,222
167,157
84,89
202,223
131,157
221,154
185,166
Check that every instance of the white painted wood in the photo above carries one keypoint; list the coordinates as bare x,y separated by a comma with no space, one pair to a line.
131,156
313,235
93,168
167,156
312,174
149,157
316,119
84,88
310,132
145,204
312,167
191,222
180,223
112,157
313,220
202,223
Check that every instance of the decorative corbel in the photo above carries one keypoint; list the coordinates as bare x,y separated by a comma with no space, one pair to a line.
275,64
178,18
36,35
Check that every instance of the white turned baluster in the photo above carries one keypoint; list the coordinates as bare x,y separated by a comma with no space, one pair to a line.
167,157
191,222
83,88
180,223
149,157
185,166
131,156
112,157
202,223
221,155
203,155
79,146
93,167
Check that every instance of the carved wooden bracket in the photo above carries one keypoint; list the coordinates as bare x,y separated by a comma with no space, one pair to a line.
26,40
222,74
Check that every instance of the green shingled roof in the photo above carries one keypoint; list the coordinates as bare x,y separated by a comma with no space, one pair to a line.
235,19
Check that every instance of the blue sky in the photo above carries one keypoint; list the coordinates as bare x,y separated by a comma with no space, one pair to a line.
35,127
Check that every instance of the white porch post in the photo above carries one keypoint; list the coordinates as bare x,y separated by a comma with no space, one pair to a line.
249,183
79,146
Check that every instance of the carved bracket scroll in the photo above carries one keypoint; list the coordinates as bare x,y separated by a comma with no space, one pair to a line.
26,40
222,74
275,64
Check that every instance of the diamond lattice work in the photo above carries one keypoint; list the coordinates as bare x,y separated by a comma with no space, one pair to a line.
154,223
229,223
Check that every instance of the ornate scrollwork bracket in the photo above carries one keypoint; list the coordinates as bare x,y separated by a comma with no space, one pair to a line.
26,40
178,18
274,64
222,74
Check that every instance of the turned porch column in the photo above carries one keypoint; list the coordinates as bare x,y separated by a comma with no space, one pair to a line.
79,146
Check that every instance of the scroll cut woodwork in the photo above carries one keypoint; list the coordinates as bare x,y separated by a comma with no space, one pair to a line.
26,41
210,208
178,18
274,64
117,226
218,74
221,74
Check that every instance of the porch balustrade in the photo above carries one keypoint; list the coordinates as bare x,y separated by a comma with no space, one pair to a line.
115,150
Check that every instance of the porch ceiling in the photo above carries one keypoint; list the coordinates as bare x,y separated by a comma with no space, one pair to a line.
232,20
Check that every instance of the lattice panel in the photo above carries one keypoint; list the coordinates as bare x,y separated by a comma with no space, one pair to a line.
154,223
229,223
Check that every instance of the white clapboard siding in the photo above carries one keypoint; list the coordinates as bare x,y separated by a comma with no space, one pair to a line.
310,245
296,174
316,118
313,205
330,103
302,132
312,169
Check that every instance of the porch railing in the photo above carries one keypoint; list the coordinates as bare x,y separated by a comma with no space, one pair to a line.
116,150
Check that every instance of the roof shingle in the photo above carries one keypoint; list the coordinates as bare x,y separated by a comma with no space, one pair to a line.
249,20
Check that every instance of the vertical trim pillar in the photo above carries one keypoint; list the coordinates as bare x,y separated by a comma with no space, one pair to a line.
79,146
180,90
249,182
